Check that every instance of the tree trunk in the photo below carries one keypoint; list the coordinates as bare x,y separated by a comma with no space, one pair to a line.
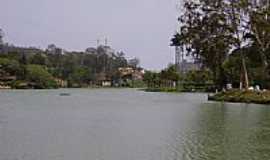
264,68
244,80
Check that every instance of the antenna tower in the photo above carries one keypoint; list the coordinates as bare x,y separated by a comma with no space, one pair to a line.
106,41
179,59
1,37
98,41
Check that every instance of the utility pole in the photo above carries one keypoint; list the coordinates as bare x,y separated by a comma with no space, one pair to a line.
179,59
1,37
106,41
2,50
98,41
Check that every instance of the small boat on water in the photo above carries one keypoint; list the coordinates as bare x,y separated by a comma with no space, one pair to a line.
64,94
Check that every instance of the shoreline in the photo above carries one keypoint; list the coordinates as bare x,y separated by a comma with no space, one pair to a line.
68,88
173,90
232,96
237,96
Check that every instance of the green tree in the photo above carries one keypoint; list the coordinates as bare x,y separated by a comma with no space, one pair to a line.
212,30
81,76
260,28
205,34
237,15
9,66
148,78
40,77
39,59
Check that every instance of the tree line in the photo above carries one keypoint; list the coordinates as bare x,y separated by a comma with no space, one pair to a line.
44,68
231,38
170,80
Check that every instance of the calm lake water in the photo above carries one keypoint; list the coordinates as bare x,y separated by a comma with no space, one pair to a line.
125,124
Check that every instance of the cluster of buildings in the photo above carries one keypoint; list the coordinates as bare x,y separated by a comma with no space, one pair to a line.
126,75
101,49
52,49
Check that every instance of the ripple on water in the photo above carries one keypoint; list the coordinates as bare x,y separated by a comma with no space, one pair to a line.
121,125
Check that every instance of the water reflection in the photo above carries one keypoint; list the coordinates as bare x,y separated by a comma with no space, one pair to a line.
224,131
129,125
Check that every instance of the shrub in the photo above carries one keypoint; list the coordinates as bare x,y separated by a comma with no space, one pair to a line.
39,77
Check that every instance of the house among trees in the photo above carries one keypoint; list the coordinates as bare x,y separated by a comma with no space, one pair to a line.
129,74
103,80
61,83
52,49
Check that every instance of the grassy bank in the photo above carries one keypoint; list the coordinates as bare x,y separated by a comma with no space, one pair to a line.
183,87
176,90
237,96
161,90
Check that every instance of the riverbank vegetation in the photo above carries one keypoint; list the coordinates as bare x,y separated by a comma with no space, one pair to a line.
22,67
231,39
262,97
170,80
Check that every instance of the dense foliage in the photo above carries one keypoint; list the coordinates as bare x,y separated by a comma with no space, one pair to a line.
242,96
169,80
229,37
166,78
51,68
40,77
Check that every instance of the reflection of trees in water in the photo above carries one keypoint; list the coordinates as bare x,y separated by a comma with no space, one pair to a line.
205,138
224,132
259,140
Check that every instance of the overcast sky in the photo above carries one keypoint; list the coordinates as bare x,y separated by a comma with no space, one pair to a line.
140,28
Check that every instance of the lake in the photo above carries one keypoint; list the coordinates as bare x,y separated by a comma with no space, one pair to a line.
126,124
